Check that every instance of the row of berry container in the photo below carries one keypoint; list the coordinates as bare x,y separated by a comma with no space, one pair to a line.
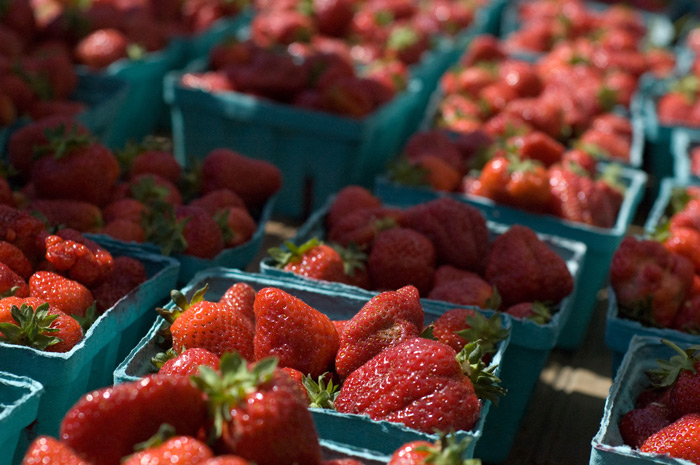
531,342
19,405
339,431
621,328
65,376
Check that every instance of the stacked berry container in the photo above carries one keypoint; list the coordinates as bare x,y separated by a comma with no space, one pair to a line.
339,431
19,404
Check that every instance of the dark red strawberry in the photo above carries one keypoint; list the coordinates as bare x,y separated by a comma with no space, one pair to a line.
217,200
158,162
201,233
638,424
313,259
348,200
75,214
300,336
15,259
46,449
237,226
361,227
127,274
385,321
11,283
125,230
186,363
461,287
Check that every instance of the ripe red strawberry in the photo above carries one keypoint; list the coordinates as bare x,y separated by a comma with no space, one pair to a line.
253,180
62,293
227,460
640,423
208,325
237,226
460,326
13,257
685,242
445,450
160,162
74,167
297,334
425,374
361,227
128,273
680,439
104,425
384,321
680,375
23,230
36,134
30,321
483,48
313,259
650,283
399,257
175,450
523,268
125,230
186,363
347,200
126,208
101,48
539,146
457,230
433,142
201,233
82,259
41,109
11,283
148,187
263,417
688,317
46,449
535,311
461,287
217,200
343,461
241,298
75,214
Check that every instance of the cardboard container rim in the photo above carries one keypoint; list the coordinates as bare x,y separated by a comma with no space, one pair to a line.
31,388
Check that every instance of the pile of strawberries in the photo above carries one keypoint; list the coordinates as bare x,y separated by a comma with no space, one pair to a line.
70,179
442,247
680,105
657,280
54,285
666,415
343,57
237,414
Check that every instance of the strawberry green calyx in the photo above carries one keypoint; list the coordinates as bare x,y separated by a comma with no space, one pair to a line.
136,52
489,331
230,385
321,394
132,149
165,432
607,98
181,303
521,165
293,252
668,370
404,172
448,451
401,38
89,318
541,313
10,292
221,218
661,233
161,357
31,327
679,199
495,301
486,383
163,229
612,175
62,141
354,259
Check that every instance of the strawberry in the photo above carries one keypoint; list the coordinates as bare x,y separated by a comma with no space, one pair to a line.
347,200
680,439
158,162
125,230
11,283
23,230
461,287
426,375
521,76
433,142
175,450
688,317
680,374
46,449
217,200
386,320
457,230
640,423
237,226
101,48
650,283
608,144
201,233
538,312
105,424
186,363
32,322
211,81
41,109
148,187
126,208
263,416
685,242
523,268
127,274
81,258
361,227
73,167
300,336
402,256
253,180
445,450
459,326
208,325
226,460
539,146
313,259
75,214
241,298
62,293
13,257
483,48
